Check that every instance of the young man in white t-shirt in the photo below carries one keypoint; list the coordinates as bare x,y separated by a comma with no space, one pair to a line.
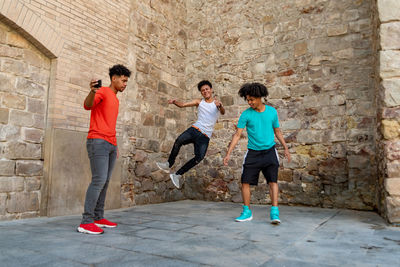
198,134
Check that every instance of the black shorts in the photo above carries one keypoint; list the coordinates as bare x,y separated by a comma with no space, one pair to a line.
255,161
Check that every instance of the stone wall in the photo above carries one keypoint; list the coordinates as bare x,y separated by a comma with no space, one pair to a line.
24,80
157,47
317,59
389,109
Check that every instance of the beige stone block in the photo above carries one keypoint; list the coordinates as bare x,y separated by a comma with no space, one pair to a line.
4,114
36,106
29,168
390,129
393,169
392,186
337,30
389,64
300,49
21,118
14,101
9,132
11,184
13,66
20,150
344,54
310,136
388,10
390,35
393,209
29,88
15,39
32,135
3,199
7,82
10,51
7,167
391,92
23,202
32,184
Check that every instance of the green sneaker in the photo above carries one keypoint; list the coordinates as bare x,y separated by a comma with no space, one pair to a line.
245,216
274,215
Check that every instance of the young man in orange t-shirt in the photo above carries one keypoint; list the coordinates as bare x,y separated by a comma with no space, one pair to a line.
102,146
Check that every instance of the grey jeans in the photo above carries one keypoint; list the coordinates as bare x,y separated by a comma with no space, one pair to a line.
102,156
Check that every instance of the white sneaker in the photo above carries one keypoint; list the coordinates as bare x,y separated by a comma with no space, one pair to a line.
175,179
163,166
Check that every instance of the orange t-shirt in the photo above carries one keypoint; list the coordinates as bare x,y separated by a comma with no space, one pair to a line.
103,116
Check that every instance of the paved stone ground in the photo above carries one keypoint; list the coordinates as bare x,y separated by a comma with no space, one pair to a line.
196,233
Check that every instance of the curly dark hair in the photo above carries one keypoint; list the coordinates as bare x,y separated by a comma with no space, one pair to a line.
253,89
203,82
119,70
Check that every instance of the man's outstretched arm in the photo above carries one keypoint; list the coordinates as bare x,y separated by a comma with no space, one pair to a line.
182,104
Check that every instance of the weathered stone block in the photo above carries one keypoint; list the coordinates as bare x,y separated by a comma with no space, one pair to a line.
14,66
393,169
298,161
32,184
32,135
358,162
310,136
392,150
336,135
9,132
390,36
3,200
389,64
390,129
300,49
11,184
36,106
392,186
29,168
19,150
14,101
347,53
285,175
7,167
393,209
23,202
227,100
337,30
4,114
391,92
7,82
388,10
22,118
143,169
29,88
291,124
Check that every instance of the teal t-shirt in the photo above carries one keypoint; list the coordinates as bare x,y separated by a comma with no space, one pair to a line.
260,127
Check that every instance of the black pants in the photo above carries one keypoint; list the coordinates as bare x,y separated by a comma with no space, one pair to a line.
190,136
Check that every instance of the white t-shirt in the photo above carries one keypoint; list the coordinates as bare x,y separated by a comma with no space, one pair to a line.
207,116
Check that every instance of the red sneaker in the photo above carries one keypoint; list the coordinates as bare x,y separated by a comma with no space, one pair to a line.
90,228
105,223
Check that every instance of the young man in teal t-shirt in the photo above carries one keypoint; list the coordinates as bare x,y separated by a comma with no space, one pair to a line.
261,122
